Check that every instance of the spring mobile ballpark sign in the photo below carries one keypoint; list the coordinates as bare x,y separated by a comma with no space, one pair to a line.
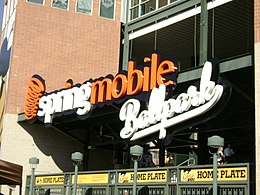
158,78
83,98
162,113
224,174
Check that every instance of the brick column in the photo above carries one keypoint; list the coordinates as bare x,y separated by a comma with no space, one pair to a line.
257,93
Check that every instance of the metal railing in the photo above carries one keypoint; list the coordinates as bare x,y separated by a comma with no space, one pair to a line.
233,179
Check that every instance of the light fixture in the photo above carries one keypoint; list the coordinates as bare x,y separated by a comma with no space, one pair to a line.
215,142
136,151
33,164
136,155
77,157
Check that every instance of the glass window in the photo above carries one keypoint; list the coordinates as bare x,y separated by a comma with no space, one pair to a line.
142,7
62,4
84,6
148,6
107,8
163,3
36,1
139,8
134,13
134,2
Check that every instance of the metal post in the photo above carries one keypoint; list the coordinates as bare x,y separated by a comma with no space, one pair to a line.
77,157
33,164
203,32
215,174
126,40
75,180
215,142
136,152
135,177
31,182
161,154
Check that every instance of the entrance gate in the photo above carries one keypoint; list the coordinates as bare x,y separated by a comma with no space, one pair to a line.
233,179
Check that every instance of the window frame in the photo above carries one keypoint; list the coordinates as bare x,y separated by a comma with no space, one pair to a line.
138,6
59,7
99,11
76,6
43,2
143,2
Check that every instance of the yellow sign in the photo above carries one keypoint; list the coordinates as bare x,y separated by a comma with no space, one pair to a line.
224,174
143,177
99,178
49,180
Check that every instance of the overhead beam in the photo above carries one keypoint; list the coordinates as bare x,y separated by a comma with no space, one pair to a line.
234,64
160,14
157,20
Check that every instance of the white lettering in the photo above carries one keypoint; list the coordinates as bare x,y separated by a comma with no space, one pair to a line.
160,113
128,113
74,98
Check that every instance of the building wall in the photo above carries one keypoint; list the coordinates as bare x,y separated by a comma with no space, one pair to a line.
257,93
57,45
60,45
19,143
2,102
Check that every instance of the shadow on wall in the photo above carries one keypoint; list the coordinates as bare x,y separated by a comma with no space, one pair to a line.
53,143
4,64
5,57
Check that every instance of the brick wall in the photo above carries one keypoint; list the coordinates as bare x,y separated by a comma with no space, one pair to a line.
60,45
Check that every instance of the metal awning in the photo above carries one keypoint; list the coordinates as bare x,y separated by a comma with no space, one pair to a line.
10,173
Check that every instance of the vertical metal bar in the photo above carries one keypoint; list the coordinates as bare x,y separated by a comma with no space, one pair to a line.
86,150
178,180
162,155
203,32
139,8
155,39
135,177
75,180
215,174
126,40
20,189
31,182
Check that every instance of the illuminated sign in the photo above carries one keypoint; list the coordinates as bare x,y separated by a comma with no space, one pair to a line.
49,180
85,97
224,174
143,177
100,178
35,91
163,113
134,82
